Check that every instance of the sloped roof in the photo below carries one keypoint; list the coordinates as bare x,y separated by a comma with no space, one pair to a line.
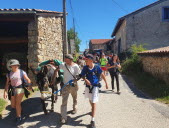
162,50
22,10
120,20
100,41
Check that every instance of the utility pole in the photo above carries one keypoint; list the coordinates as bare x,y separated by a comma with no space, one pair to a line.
65,43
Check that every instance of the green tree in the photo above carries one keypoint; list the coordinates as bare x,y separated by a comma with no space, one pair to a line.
73,35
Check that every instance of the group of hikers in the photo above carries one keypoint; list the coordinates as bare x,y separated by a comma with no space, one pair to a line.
91,68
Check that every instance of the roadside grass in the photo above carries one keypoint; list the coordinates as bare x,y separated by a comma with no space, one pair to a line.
2,106
152,86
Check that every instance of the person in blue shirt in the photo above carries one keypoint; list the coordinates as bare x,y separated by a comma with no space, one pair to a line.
91,74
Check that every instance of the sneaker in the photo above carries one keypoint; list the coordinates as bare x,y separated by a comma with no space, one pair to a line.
118,92
74,111
18,120
92,124
63,121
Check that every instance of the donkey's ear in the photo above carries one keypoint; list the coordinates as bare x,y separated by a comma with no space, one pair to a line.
45,70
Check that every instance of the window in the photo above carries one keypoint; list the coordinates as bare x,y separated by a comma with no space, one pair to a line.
165,13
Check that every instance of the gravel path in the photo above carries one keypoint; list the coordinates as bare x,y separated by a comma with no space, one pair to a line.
130,109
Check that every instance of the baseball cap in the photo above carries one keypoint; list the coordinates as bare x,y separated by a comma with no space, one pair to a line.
89,56
69,56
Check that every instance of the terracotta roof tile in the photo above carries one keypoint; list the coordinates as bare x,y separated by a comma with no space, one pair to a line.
28,10
159,50
100,41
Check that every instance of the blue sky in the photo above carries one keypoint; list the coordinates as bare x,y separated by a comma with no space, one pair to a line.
94,19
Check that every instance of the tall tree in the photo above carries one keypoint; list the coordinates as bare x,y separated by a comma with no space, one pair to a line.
73,35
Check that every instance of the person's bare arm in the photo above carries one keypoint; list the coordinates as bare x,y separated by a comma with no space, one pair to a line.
28,80
119,66
6,88
111,66
86,81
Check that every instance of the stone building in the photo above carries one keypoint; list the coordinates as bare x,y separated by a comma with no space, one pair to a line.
156,62
32,34
148,25
104,44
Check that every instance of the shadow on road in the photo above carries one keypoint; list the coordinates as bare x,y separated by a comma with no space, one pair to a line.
134,89
29,106
35,117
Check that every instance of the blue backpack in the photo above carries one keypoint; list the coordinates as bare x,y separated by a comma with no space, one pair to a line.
93,73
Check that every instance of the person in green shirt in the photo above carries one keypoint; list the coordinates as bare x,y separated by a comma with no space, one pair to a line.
103,63
74,58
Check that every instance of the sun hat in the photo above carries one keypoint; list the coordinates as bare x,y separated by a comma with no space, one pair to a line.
14,62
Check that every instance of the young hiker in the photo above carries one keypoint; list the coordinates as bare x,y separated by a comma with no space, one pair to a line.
113,66
103,63
15,82
91,74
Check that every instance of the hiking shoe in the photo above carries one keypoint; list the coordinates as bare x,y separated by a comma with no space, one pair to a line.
18,120
92,124
74,111
118,92
63,121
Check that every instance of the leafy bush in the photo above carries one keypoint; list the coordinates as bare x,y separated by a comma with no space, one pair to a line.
133,63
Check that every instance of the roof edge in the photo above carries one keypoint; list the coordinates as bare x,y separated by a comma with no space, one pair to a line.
135,12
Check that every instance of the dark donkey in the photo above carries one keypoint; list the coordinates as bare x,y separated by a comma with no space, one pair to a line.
44,79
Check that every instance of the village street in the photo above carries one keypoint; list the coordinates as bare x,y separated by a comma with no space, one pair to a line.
130,109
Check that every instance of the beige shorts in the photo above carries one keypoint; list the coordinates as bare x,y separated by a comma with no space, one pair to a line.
18,91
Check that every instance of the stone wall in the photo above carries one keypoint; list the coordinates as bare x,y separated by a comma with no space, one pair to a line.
158,66
49,39
44,40
120,35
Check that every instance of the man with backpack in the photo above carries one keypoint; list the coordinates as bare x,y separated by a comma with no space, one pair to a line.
91,74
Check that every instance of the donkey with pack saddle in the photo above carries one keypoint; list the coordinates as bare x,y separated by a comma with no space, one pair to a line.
46,78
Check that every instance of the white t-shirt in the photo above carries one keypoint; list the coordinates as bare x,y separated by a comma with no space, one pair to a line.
74,69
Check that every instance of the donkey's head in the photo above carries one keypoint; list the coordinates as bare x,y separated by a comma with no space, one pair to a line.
43,81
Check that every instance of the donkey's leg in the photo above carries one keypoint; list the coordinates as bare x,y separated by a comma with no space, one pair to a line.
44,107
55,95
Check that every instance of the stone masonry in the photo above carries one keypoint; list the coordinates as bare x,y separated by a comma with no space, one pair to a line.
158,66
45,40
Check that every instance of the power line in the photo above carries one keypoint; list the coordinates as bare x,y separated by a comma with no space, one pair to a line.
73,18
120,6
75,23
